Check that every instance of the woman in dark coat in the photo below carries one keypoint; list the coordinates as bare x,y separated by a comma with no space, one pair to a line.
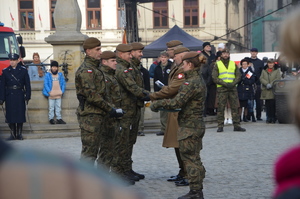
245,87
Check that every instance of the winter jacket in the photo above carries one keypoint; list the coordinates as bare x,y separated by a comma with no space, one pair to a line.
48,83
268,78
245,86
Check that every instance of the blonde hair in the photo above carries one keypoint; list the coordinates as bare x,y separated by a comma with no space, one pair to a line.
290,38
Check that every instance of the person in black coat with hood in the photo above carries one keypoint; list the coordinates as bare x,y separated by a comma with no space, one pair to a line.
245,87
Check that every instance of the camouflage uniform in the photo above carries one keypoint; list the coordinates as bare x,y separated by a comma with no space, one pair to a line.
90,84
112,125
190,98
225,94
131,84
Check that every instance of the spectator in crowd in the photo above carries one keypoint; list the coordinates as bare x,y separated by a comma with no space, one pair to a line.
36,72
226,75
286,171
208,53
146,78
54,88
153,66
258,67
245,87
221,46
270,74
15,91
161,73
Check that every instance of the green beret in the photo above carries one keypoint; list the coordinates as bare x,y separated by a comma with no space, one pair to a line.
91,42
181,50
190,55
137,46
108,55
124,48
173,43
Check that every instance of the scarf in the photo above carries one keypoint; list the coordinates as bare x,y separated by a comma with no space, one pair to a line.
40,71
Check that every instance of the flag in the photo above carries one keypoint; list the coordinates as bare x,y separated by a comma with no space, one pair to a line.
11,16
124,38
139,14
204,16
40,18
173,15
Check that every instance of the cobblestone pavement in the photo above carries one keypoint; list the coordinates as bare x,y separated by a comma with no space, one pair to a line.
239,164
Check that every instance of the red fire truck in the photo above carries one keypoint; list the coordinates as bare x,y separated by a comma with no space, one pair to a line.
9,43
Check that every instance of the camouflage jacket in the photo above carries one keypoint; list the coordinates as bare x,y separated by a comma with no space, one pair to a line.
130,90
138,77
190,98
90,84
176,78
217,80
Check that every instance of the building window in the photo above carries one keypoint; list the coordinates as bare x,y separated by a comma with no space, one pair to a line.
93,12
26,12
191,13
52,7
279,4
160,14
120,13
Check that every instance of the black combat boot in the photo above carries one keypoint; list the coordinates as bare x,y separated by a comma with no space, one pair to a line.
245,119
19,131
131,176
141,176
13,131
238,128
193,194
220,129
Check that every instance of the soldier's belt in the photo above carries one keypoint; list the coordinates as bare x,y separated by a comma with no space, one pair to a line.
14,87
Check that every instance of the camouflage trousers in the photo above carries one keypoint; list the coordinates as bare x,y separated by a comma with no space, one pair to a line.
189,149
91,126
106,150
230,96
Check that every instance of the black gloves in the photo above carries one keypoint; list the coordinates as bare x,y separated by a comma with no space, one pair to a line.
147,97
116,112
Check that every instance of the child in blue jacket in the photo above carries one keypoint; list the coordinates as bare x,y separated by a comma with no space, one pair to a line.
54,88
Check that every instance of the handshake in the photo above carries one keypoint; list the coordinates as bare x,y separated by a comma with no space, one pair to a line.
116,113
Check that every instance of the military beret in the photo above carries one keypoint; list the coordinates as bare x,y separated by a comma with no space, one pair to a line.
108,55
91,42
124,48
181,50
137,46
190,55
225,50
13,56
173,43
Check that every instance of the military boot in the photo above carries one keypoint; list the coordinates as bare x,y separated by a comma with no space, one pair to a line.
141,176
19,131
131,176
220,129
13,131
238,128
193,194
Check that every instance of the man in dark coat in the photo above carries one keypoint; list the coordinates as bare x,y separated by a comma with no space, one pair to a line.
15,91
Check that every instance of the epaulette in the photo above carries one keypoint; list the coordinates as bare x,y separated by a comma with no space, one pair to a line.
4,69
23,67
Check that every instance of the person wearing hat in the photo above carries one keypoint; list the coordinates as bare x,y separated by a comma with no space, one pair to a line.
161,73
206,51
270,74
132,90
226,75
176,78
54,88
15,91
258,68
172,45
190,99
93,106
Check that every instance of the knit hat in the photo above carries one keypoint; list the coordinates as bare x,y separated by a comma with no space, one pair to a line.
124,48
190,55
205,44
91,42
221,45
253,50
54,63
108,55
137,46
181,50
173,43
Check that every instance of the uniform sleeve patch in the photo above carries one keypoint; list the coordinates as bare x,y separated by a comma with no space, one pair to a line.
186,83
89,71
130,68
125,71
180,76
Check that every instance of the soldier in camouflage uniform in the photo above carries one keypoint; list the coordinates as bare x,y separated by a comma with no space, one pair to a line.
190,99
113,95
93,107
226,75
132,93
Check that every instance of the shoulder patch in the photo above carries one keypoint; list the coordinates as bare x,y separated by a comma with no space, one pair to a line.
89,71
125,71
130,68
186,83
168,71
106,80
180,76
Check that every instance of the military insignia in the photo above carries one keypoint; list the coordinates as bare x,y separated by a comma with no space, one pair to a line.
186,83
180,76
89,71
106,80
125,71
130,68
168,71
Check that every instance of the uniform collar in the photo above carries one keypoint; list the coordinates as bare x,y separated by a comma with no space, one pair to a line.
92,61
107,69
123,62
